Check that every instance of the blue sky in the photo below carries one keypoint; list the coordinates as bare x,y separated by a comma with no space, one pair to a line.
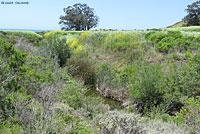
113,14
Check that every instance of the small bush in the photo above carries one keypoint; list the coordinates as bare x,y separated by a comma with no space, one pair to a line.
160,127
121,41
73,94
96,39
148,84
9,39
55,33
83,69
190,115
181,80
109,78
114,122
75,46
57,48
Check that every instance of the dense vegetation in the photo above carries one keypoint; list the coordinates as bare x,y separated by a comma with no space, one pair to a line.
173,41
154,73
16,37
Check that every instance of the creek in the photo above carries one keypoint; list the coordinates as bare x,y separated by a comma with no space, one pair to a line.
112,103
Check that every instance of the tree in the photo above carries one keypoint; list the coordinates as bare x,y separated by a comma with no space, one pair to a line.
193,17
78,17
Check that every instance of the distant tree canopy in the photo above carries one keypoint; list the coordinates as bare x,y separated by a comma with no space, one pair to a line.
193,17
78,17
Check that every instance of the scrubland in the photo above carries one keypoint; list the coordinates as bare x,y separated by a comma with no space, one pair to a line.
154,75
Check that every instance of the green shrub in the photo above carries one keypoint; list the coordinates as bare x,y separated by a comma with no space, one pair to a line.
172,41
182,80
114,122
188,54
9,128
104,75
69,121
189,115
159,127
22,77
57,48
119,41
196,59
14,36
9,39
96,39
108,77
83,69
73,94
177,57
155,37
148,84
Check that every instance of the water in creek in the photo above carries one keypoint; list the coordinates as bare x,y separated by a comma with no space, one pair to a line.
112,103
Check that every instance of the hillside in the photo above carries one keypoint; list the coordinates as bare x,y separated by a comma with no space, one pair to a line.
100,82
176,25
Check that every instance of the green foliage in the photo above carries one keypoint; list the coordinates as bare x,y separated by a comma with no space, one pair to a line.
76,44
192,19
9,128
155,37
196,59
28,84
9,39
109,78
185,79
78,17
104,75
55,33
13,36
77,127
164,86
75,124
189,29
22,77
177,57
96,39
83,69
189,115
159,127
119,122
148,84
190,112
188,55
73,94
121,41
173,41
57,48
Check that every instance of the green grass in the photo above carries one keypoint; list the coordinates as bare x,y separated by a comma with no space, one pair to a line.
14,36
21,32
186,29
176,25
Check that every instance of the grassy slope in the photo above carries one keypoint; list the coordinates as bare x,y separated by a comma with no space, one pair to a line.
21,33
18,37
178,24
113,58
